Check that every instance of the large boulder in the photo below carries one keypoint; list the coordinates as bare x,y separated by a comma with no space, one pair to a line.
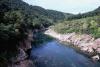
84,49
91,44
87,47
97,41
98,50
96,44
96,57
90,50
87,38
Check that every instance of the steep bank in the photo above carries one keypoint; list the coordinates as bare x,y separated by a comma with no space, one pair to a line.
84,42
21,60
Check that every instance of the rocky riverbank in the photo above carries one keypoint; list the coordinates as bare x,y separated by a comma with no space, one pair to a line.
86,43
21,60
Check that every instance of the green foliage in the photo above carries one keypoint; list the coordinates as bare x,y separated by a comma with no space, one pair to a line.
16,18
89,25
56,15
11,31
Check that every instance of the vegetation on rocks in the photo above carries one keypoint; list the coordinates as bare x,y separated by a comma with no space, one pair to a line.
88,25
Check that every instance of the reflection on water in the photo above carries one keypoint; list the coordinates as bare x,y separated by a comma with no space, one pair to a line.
53,54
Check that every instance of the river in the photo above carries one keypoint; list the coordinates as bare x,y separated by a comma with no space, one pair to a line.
55,54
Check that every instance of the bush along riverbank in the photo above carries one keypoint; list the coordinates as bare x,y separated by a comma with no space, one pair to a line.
86,43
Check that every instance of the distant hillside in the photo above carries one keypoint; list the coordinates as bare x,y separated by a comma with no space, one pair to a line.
95,12
57,15
32,10
88,23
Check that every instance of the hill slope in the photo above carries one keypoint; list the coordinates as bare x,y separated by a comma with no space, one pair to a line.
88,25
95,12
16,19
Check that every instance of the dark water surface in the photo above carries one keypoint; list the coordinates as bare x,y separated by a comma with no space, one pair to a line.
54,54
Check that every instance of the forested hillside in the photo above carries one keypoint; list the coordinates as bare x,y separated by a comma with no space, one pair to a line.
56,15
86,23
16,18
95,12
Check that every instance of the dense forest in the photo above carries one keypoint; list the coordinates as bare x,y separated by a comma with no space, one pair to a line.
17,17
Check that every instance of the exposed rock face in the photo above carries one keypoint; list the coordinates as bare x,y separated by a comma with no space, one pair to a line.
26,43
21,58
25,63
98,50
85,42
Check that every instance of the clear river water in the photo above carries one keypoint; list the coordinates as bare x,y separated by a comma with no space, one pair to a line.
55,54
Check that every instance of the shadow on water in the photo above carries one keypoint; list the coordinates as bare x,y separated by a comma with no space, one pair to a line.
41,38
51,53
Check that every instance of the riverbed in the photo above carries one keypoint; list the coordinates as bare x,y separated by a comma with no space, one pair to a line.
55,54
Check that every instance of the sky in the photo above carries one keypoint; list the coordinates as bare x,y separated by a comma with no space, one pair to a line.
68,6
